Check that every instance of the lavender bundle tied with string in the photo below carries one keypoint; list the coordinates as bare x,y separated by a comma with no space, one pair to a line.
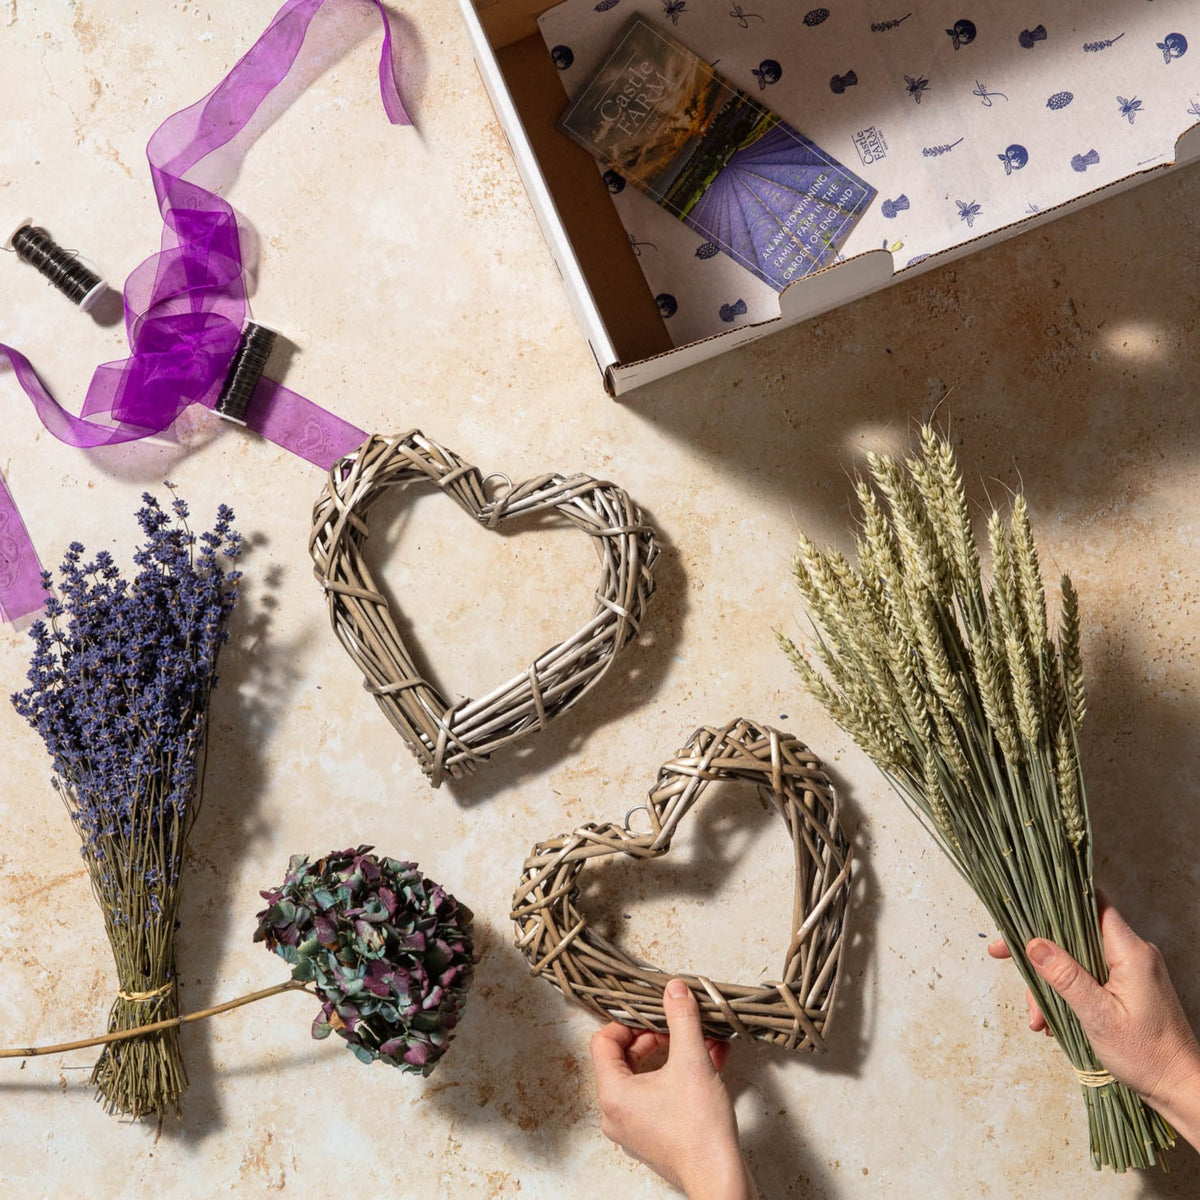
119,689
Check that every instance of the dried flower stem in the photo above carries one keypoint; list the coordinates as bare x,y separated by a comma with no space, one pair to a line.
289,985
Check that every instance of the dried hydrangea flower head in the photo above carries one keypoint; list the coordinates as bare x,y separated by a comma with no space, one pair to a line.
388,951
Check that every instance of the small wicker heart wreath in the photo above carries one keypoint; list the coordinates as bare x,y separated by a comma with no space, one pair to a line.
793,1011
451,739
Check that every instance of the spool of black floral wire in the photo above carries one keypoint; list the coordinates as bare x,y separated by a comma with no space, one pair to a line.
245,371
62,268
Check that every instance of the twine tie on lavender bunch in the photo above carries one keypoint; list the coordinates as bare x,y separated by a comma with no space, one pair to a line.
143,997
186,306
62,268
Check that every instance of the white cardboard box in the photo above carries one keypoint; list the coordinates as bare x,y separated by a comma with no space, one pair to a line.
588,235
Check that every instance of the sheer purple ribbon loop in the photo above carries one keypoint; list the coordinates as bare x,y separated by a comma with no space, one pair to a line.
20,572
185,306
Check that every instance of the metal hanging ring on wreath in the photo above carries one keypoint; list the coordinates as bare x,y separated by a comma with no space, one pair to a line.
452,739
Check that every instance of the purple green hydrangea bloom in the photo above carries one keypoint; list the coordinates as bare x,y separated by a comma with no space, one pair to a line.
388,951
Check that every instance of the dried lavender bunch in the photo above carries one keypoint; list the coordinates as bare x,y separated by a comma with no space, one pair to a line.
388,951
119,688
957,691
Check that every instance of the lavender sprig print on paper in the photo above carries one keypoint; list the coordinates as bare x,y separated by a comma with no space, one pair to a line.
1102,44
939,150
885,26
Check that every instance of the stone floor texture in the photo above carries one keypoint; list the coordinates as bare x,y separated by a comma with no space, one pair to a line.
410,280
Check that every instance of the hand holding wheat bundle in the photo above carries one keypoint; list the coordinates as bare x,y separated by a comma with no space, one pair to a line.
957,691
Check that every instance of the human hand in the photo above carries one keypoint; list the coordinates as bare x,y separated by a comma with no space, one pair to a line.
1135,1022
677,1118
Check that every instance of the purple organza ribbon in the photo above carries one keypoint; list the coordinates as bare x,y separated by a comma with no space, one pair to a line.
185,306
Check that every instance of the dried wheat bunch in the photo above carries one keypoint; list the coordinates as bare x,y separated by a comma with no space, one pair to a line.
956,688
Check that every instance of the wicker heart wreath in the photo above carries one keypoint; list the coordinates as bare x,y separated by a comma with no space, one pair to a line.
795,1011
451,739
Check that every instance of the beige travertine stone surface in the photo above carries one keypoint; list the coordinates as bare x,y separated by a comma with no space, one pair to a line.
406,270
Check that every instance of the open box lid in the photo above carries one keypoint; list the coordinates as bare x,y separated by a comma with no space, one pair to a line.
591,246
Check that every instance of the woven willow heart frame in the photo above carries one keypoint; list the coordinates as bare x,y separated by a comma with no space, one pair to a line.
794,1011
451,739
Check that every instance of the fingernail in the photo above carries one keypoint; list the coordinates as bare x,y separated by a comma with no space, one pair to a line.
1040,952
677,989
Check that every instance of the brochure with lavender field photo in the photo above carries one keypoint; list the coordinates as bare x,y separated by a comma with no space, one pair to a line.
724,164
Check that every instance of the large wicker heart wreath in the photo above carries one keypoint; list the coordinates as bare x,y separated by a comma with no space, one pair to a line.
450,739
793,1011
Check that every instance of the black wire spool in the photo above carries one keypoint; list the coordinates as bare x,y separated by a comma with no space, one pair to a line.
79,284
246,369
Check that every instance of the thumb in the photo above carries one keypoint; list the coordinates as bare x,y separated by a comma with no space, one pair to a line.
1072,982
687,1046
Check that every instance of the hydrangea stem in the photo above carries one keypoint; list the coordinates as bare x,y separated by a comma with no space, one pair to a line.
290,985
